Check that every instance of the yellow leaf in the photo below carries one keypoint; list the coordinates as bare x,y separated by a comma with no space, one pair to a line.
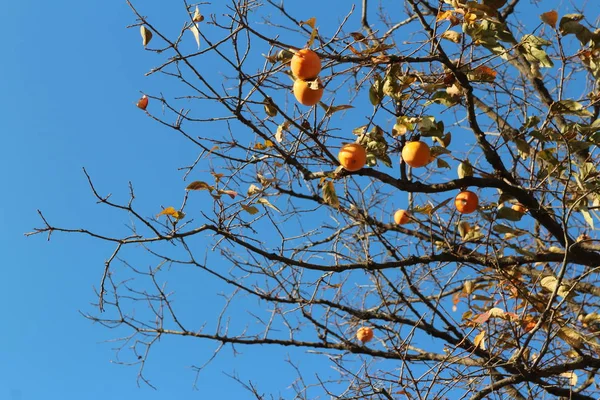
571,336
146,35
443,15
550,18
479,340
252,190
199,185
463,229
452,36
280,129
310,22
196,31
426,209
250,209
265,202
259,146
197,16
268,143
329,194
171,212
571,376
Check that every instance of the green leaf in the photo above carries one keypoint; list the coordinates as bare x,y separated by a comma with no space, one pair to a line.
509,214
442,98
442,164
570,107
500,228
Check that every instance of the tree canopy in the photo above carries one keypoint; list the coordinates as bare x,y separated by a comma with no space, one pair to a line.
414,199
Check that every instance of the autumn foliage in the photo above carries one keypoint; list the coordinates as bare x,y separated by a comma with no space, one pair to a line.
477,122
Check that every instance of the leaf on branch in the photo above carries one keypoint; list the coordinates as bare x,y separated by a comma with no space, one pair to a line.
500,228
452,36
571,376
571,336
463,230
172,212
424,209
266,202
330,110
570,107
569,25
532,46
146,35
199,185
196,32
482,74
249,209
479,340
230,193
357,36
329,195
313,34
465,169
549,283
253,189
550,18
442,163
586,215
280,129
442,98
509,214
197,16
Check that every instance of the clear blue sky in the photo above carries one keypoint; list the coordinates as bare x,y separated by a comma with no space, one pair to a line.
70,76
69,79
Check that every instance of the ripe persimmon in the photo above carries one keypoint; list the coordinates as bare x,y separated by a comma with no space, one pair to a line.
364,334
416,154
352,157
305,95
305,64
466,202
401,217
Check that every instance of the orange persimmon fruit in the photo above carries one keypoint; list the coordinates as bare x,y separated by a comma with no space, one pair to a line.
352,157
305,64
466,202
401,217
305,95
364,334
416,154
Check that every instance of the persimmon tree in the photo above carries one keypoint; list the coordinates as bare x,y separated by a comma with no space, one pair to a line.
437,302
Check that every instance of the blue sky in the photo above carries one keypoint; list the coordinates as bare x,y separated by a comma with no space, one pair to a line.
71,74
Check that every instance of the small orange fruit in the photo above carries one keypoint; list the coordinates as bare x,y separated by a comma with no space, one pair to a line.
416,154
466,202
305,95
305,64
352,157
401,217
364,334
143,102
520,208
